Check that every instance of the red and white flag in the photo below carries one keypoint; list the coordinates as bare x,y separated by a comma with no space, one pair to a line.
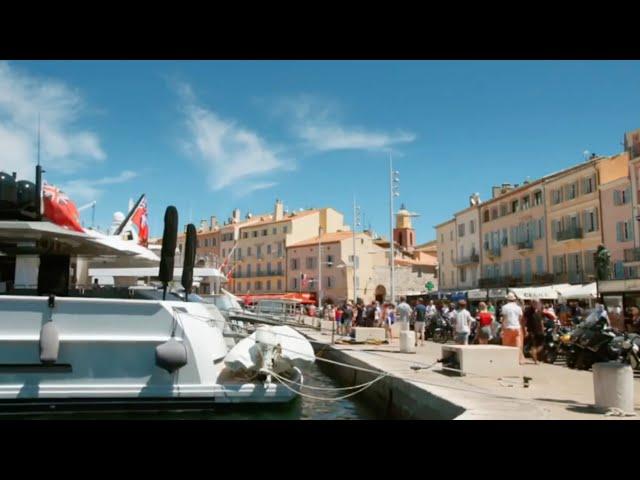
139,219
59,208
226,260
230,274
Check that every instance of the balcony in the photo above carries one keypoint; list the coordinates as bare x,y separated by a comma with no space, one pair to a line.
525,245
493,252
632,255
470,259
574,277
496,282
542,278
518,281
569,234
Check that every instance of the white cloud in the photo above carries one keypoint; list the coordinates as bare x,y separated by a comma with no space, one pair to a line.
336,137
252,187
64,147
315,122
231,153
90,189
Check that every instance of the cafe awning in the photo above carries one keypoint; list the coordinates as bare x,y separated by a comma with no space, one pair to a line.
477,294
577,292
528,293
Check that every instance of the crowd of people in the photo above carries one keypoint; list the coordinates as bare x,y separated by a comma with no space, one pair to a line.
509,322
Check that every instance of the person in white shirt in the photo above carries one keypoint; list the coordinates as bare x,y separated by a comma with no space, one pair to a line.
404,314
431,309
451,315
512,335
378,315
463,324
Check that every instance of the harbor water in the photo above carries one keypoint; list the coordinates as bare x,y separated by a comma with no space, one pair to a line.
302,408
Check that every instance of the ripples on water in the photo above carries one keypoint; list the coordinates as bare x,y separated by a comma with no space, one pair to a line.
299,409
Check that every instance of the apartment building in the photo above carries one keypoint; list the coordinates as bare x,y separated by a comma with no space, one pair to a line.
618,224
574,216
260,257
513,233
632,253
467,260
337,257
447,246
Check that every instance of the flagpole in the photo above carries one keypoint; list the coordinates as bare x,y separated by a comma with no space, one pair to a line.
129,215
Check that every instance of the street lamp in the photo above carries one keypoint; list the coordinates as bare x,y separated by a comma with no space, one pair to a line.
394,191
319,268
356,223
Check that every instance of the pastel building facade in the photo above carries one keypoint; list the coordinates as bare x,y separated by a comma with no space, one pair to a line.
618,224
547,230
446,237
468,245
336,252
262,247
514,235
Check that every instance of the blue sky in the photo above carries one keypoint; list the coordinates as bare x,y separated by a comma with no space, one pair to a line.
211,136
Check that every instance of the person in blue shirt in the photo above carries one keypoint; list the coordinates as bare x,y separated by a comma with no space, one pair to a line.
420,313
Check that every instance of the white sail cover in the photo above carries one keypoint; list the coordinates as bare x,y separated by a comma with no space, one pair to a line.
296,351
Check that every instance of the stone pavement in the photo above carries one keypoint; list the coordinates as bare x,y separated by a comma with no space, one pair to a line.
555,391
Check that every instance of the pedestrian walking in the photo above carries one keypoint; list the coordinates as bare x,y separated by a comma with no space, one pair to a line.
389,320
485,322
490,308
370,315
420,313
377,314
512,335
347,318
463,323
632,324
338,318
534,324
404,314
359,314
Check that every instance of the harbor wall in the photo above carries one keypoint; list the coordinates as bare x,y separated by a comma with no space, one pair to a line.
392,397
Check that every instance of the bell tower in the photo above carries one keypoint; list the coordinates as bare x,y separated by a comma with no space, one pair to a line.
404,234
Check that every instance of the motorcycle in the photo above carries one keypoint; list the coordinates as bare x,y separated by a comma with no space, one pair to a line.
631,349
564,341
440,331
593,342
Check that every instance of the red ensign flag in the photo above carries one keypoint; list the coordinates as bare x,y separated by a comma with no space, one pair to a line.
139,219
60,209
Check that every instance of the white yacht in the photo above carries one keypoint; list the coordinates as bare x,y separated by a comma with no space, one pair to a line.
65,345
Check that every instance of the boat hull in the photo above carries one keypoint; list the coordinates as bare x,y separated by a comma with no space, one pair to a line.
107,357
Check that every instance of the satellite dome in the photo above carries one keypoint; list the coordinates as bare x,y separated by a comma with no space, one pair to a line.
118,217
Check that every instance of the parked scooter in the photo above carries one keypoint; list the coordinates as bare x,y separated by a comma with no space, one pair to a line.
440,330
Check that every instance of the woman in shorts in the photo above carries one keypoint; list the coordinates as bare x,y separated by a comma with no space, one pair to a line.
485,321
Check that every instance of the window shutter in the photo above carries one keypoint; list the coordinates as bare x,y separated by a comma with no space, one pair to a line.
619,231
595,219
627,194
618,270
630,230
585,217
